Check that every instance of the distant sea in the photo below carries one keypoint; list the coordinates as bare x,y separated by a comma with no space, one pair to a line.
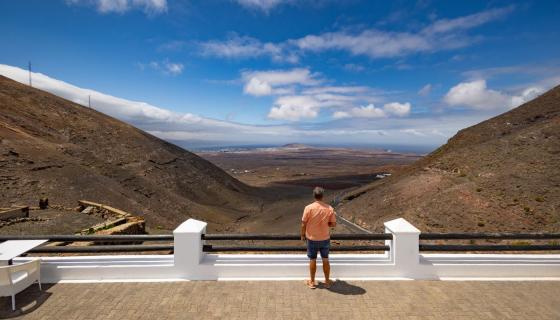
252,147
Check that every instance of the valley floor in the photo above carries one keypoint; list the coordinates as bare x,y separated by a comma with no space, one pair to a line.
286,176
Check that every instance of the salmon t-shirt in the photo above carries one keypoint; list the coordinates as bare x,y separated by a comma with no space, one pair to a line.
317,217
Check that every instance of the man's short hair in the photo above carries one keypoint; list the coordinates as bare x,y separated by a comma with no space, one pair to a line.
318,192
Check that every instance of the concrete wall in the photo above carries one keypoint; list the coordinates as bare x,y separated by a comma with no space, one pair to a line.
402,262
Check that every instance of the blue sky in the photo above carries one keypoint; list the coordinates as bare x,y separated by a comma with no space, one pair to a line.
273,71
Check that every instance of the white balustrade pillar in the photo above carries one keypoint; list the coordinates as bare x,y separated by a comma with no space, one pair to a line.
404,246
188,246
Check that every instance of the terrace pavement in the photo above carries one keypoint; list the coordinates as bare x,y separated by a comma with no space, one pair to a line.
290,300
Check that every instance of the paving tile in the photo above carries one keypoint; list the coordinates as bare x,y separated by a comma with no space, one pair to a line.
289,300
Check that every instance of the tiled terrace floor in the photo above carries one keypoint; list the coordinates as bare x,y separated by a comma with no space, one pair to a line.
290,300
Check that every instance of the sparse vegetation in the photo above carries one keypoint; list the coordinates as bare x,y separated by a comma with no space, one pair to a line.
539,199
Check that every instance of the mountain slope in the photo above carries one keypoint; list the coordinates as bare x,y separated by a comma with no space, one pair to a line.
500,175
52,147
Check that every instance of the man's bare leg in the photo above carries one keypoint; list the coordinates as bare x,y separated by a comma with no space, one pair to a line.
312,270
327,272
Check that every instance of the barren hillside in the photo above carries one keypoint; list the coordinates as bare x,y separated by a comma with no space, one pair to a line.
52,147
500,175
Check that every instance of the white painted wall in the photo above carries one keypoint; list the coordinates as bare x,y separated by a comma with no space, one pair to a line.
402,262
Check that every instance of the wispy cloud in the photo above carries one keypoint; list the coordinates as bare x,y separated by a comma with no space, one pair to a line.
165,66
370,42
371,111
543,70
442,34
264,83
121,6
352,67
425,90
173,45
235,47
262,5
414,132
467,22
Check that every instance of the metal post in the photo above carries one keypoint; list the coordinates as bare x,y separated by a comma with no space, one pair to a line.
29,68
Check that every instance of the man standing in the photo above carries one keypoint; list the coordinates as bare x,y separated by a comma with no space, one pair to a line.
315,223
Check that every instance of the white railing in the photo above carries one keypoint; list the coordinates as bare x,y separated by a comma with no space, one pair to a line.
402,261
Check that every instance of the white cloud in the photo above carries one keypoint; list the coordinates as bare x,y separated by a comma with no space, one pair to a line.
173,68
301,95
261,83
425,90
526,95
341,115
397,109
443,34
165,66
295,108
476,95
312,100
467,22
122,6
188,128
413,132
120,108
263,5
370,111
298,107
246,47
372,43
257,87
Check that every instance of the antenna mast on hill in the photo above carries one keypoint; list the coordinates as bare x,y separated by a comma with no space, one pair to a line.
89,100
29,68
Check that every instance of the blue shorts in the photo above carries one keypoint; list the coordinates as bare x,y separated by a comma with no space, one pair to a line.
322,246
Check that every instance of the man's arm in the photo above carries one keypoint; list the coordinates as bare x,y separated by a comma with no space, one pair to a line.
304,220
332,220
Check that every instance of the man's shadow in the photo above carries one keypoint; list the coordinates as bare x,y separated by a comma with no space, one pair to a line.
27,301
343,287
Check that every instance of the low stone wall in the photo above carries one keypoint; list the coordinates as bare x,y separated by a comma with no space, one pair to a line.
113,211
118,221
12,213
133,225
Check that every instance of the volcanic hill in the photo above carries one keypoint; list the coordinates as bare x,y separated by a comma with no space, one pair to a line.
52,147
502,174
